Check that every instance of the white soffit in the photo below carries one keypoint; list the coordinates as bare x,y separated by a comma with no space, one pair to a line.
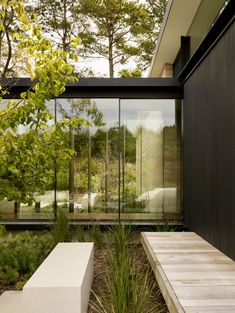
178,18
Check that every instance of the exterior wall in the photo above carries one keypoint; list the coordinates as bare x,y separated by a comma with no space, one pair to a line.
209,146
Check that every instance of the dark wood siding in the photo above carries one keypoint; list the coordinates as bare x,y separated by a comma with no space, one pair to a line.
209,146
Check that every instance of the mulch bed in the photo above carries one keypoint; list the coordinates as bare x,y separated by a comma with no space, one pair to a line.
6,288
100,272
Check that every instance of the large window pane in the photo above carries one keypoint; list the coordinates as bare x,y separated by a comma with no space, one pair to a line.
127,162
150,156
89,182
43,204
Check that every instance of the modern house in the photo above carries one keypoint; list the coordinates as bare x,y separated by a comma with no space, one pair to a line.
197,45
164,146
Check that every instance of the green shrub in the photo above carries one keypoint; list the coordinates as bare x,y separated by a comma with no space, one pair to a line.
22,254
8,275
2,231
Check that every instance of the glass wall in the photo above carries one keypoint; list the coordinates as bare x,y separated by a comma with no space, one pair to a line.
43,205
127,163
90,182
150,156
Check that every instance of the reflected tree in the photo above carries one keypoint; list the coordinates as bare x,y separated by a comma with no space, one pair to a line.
85,108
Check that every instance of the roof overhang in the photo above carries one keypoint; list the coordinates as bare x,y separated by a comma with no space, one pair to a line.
123,88
178,18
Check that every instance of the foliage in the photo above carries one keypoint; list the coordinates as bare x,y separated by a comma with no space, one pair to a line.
10,12
121,236
2,231
20,255
8,275
97,235
114,29
85,108
59,21
165,227
79,233
156,9
27,158
61,230
127,73
114,136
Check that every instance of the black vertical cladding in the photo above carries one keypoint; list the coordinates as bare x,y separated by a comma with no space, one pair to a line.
184,51
183,55
209,146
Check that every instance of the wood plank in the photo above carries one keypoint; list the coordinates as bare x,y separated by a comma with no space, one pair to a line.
198,267
187,245
193,258
171,239
211,309
171,234
172,301
193,275
203,282
183,250
203,292
208,302
206,275
181,243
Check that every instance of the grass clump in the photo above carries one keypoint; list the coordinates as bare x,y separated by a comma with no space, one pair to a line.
61,231
127,284
96,235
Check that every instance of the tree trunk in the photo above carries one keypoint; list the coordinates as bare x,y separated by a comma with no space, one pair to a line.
106,169
71,173
111,67
6,67
64,39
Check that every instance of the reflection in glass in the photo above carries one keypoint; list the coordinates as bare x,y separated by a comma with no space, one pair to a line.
127,161
42,206
89,182
150,156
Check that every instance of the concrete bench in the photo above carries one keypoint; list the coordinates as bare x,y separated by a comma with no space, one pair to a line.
63,281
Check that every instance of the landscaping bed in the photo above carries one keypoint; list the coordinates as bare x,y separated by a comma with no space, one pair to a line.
123,280
156,303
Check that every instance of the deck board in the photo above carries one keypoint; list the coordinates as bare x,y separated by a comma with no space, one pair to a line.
193,275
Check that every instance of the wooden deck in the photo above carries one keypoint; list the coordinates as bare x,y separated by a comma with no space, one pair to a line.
193,275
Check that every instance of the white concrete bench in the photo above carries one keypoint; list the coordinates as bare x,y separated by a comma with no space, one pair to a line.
63,281
85,199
